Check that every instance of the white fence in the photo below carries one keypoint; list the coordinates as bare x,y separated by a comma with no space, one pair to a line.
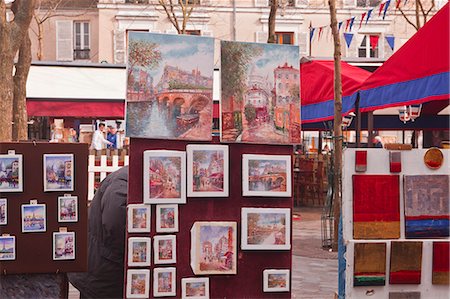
103,169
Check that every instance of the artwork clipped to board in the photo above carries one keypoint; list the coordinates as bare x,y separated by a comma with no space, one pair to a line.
165,249
195,288
406,262
276,280
8,248
139,252
260,93
207,170
64,246
166,218
164,282
441,263
33,218
58,172
138,218
369,264
164,177
11,177
169,86
427,209
138,283
67,208
3,211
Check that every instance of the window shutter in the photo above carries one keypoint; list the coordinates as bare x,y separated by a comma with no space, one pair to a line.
261,37
349,3
119,46
303,43
206,33
64,40
261,3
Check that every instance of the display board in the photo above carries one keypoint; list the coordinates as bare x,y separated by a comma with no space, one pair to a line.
46,218
250,263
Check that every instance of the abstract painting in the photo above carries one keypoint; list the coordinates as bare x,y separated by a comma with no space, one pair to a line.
33,218
213,248
275,280
370,264
138,283
67,209
406,263
404,295
360,161
164,282
138,218
63,245
58,172
427,209
139,252
166,218
441,252
169,86
195,288
260,93
376,206
7,248
11,173
395,162
207,170
3,211
165,249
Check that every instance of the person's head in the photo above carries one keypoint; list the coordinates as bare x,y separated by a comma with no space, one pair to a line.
113,130
101,126
377,139
72,132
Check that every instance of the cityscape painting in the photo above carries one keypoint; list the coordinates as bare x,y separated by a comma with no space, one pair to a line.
58,172
260,93
67,209
164,282
3,211
195,288
11,173
7,248
276,280
33,218
169,86
165,249
64,245
138,218
138,283
138,252
166,218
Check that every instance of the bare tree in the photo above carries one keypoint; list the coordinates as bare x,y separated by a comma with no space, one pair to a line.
172,7
421,11
272,18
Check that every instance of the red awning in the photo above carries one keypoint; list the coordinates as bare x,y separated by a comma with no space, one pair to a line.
76,109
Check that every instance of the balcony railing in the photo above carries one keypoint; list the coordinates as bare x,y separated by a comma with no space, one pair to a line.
79,54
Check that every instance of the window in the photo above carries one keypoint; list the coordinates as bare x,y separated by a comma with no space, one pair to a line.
367,3
365,50
284,2
81,41
193,32
193,2
285,38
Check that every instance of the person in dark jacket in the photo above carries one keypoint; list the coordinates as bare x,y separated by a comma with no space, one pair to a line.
106,239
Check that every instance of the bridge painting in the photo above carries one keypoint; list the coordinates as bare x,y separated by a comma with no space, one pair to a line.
267,175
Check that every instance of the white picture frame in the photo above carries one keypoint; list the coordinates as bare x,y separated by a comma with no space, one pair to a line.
67,208
164,177
167,218
64,246
257,182
58,172
138,218
168,277
34,218
195,288
11,173
139,252
8,243
207,170
138,283
3,211
276,234
276,280
165,249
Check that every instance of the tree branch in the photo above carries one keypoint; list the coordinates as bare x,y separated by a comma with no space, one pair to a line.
23,12
406,18
170,14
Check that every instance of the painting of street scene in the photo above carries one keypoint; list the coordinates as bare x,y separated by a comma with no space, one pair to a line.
7,248
33,218
64,246
138,283
3,211
276,280
169,86
260,93
68,208
139,252
138,218
58,172
195,288
164,282
165,249
166,218
11,173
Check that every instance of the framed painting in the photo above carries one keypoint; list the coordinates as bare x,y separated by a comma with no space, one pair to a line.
213,248
165,249
8,248
369,264
404,295
58,172
164,177
164,282
406,263
67,208
176,100
266,175
138,283
276,280
33,218
195,288
207,170
63,246
138,218
11,173
166,218
139,252
3,211
266,229
441,263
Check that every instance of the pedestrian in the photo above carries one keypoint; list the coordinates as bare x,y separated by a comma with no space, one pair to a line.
377,141
98,139
73,136
112,137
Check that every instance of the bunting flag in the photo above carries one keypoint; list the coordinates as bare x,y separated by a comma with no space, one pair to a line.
386,8
311,34
374,41
390,39
339,26
348,39
397,5
369,13
347,23
363,15
381,8
320,32
351,23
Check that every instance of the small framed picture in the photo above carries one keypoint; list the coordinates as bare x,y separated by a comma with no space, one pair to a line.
266,228
195,288
207,170
3,211
58,172
139,252
33,218
11,178
138,218
63,246
67,209
266,175
164,284
164,177
138,283
167,218
276,280
165,249
8,248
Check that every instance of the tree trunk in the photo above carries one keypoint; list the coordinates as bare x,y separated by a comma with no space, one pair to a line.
6,84
40,52
272,17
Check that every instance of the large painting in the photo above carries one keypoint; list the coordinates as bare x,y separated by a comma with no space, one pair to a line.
370,264
426,206
169,86
260,93
406,263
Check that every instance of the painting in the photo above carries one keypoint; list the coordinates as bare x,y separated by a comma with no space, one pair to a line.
404,295
164,283
441,263
266,229
138,283
370,264
207,170
164,177
276,280
3,211
11,178
266,175
7,248
406,263
213,248
395,162
427,209
67,209
376,206
58,172
138,218
139,252
63,246
260,93
166,218
33,218
195,288
169,86
165,249
360,161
